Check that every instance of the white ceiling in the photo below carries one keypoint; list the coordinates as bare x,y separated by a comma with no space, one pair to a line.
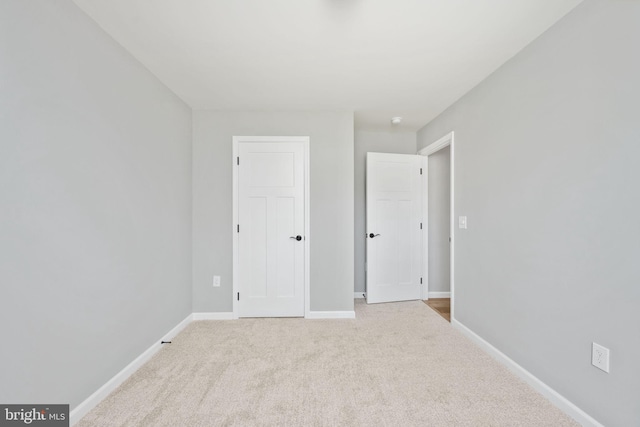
379,58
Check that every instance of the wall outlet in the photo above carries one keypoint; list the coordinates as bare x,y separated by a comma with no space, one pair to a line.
462,222
600,357
216,281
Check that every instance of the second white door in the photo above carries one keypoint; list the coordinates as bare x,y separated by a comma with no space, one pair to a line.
394,232
271,229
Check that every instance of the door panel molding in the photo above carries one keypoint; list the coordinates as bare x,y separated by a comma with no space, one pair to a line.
236,141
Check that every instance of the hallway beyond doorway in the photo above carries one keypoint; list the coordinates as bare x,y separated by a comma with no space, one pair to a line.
442,306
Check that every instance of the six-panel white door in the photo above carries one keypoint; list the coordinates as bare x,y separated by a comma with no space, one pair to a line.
271,229
393,193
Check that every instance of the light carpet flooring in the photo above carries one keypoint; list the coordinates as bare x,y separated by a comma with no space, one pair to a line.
398,364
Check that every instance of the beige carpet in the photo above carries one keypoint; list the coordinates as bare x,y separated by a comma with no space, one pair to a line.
397,364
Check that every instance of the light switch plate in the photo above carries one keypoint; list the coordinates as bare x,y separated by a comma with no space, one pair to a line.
216,281
462,222
600,357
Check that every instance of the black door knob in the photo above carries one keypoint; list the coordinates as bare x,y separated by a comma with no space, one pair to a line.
298,237
373,235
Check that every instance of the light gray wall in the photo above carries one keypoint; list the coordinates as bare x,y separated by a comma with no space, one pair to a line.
546,164
331,216
439,220
392,141
95,205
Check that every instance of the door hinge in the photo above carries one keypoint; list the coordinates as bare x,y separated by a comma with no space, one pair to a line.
238,228
421,280
238,161
238,296
449,239
420,226
420,171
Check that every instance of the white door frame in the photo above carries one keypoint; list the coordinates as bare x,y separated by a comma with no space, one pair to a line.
447,140
236,141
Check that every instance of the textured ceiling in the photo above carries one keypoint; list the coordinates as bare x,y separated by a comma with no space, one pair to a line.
410,58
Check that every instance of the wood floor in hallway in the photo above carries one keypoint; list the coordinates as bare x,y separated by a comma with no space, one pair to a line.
442,306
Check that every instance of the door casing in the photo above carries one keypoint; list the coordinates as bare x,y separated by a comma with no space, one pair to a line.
305,141
447,140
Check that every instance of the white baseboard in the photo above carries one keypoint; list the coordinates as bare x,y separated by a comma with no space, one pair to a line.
556,398
331,315
359,295
92,401
226,315
439,294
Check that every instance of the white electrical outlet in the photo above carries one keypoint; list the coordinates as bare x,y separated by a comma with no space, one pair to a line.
216,281
600,357
462,222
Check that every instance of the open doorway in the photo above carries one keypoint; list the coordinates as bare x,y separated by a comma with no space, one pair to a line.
438,235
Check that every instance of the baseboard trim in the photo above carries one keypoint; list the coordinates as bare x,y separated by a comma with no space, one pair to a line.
556,398
439,294
92,401
223,315
359,295
331,315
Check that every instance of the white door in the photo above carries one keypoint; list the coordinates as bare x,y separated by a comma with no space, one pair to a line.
394,233
271,229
